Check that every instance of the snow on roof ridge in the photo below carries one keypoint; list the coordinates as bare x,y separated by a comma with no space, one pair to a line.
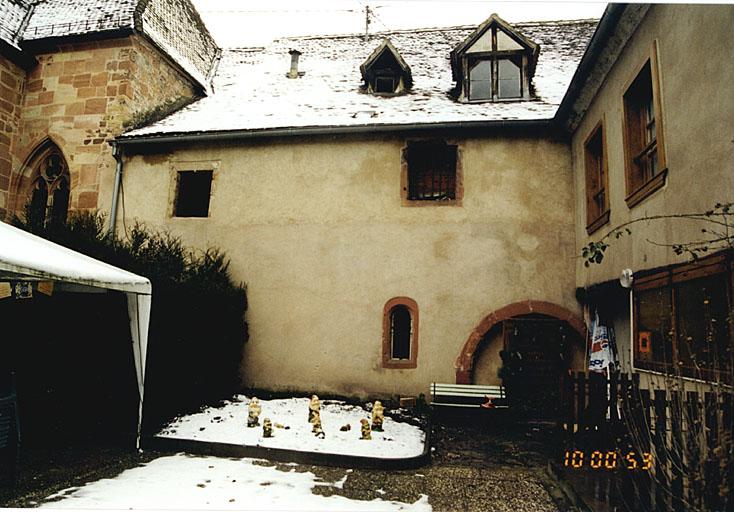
431,29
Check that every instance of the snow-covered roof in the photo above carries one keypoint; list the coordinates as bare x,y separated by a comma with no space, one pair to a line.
173,25
12,14
251,91
58,18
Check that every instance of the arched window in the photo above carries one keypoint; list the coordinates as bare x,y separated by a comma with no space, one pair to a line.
48,201
400,333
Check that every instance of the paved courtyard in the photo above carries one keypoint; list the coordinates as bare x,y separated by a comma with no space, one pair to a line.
477,467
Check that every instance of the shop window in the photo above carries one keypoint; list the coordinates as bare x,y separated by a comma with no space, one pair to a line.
643,138
682,322
193,192
597,198
400,333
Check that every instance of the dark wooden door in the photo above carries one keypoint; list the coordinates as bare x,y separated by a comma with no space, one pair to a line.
538,351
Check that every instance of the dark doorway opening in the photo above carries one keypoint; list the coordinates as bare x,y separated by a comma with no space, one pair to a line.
71,357
537,353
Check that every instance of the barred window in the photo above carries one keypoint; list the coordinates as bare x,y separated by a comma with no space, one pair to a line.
431,171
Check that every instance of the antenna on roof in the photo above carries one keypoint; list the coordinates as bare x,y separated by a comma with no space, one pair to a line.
367,21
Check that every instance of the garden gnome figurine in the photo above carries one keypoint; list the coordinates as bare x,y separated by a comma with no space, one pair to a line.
314,410
267,428
318,431
316,424
253,412
366,431
377,416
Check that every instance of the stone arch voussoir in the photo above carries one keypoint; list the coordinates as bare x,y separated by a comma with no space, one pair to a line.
465,361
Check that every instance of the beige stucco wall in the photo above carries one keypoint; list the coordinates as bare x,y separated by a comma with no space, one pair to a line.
317,230
697,87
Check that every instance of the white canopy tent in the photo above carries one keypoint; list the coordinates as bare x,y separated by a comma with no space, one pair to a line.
26,257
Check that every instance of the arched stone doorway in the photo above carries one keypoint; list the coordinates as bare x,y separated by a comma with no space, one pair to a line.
528,346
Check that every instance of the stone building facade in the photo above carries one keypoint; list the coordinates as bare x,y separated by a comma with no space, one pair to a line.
76,76
395,235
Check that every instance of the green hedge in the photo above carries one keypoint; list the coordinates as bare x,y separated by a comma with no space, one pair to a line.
197,327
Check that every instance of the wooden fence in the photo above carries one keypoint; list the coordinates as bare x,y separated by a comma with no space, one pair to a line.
687,434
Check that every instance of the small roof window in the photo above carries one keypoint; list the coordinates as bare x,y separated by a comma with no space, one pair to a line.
385,72
494,63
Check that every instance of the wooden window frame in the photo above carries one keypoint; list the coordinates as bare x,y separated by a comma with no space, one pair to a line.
387,360
640,189
594,220
405,176
494,56
721,264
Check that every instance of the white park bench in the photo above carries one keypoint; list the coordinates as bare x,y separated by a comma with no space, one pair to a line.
468,395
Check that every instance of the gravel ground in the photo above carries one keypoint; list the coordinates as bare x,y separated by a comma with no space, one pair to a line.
484,466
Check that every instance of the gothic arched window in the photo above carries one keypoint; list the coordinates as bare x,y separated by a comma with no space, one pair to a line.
48,201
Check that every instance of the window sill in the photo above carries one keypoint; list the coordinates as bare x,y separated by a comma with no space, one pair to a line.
430,202
501,100
647,189
599,222
399,364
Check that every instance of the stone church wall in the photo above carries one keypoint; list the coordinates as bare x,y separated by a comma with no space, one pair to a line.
80,96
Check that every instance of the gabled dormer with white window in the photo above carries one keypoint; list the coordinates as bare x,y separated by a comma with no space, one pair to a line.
495,63
385,73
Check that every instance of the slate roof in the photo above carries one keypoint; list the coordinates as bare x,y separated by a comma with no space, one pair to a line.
56,18
174,26
12,14
251,92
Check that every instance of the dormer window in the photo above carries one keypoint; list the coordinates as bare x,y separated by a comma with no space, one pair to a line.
385,73
494,63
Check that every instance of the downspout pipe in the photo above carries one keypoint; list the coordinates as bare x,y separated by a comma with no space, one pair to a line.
117,153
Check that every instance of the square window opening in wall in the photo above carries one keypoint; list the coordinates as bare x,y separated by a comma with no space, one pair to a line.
645,166
193,192
431,172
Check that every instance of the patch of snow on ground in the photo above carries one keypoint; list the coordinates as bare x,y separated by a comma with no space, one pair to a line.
184,482
228,424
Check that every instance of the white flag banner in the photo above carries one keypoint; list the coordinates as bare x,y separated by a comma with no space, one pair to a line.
600,354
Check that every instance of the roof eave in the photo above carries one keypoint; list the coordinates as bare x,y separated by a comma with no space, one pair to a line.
604,32
509,125
46,43
17,56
